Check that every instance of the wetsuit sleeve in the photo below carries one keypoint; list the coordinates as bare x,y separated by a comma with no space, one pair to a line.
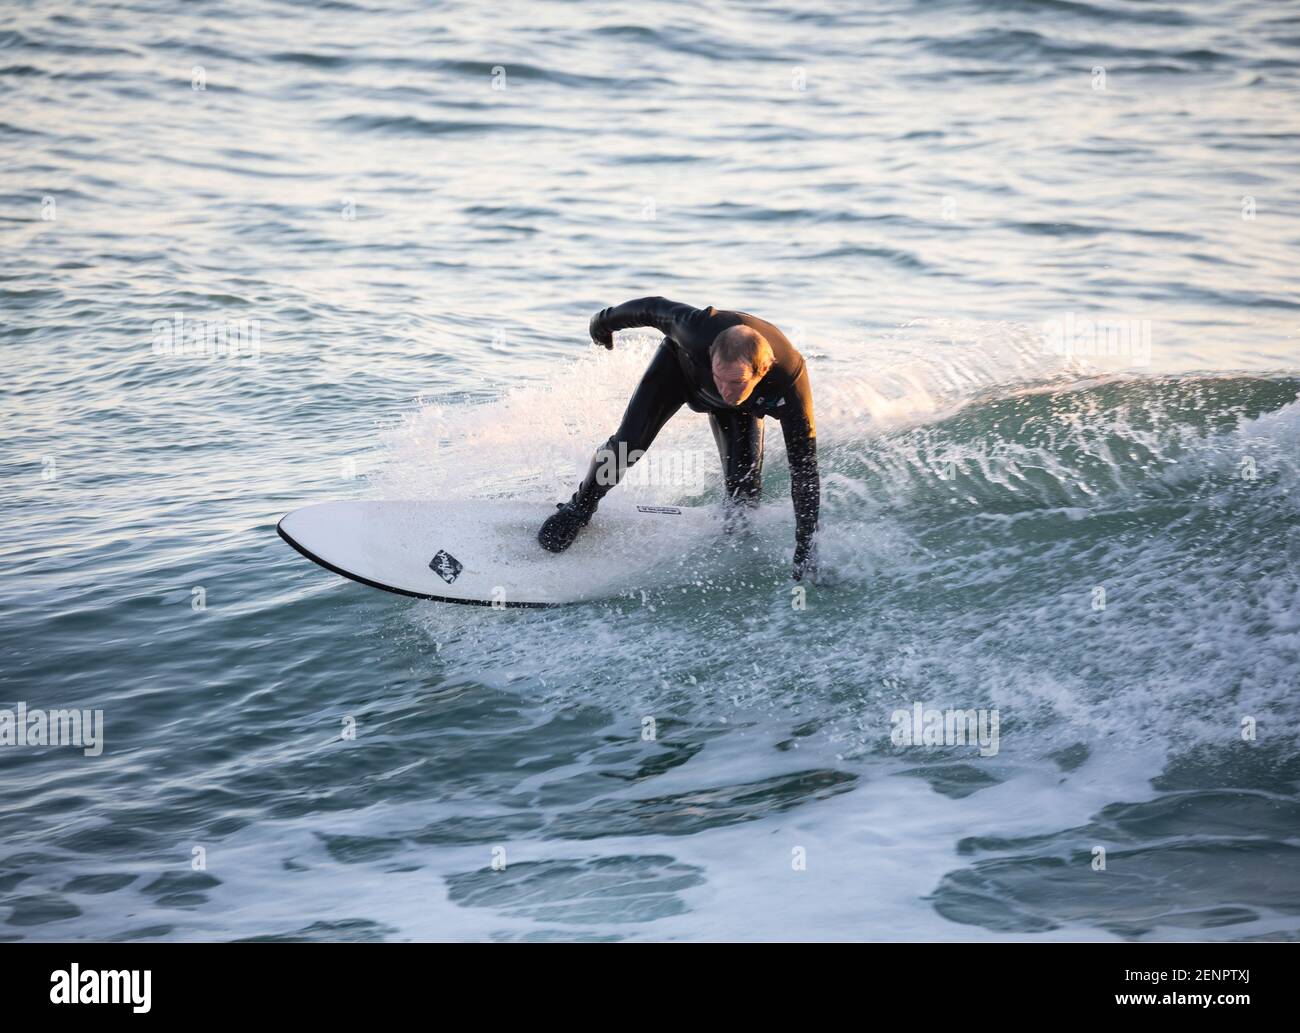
800,432
671,318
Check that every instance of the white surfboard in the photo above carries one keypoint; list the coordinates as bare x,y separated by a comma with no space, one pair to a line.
485,552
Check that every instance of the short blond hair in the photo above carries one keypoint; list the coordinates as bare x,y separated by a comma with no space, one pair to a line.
742,344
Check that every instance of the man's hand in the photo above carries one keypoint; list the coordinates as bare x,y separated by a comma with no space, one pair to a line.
598,333
805,560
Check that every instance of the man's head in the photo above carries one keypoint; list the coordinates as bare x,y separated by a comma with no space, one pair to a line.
741,358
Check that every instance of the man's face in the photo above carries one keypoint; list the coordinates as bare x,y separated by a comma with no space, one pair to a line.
736,381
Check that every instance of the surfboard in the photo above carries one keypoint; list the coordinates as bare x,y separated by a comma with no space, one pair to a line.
485,552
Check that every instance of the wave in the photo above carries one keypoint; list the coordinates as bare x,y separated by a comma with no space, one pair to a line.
1112,438
1110,560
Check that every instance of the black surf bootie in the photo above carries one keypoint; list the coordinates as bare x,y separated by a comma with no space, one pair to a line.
569,518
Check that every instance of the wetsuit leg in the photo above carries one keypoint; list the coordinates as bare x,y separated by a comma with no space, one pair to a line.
660,394
740,446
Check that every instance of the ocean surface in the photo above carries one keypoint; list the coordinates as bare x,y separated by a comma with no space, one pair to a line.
1041,260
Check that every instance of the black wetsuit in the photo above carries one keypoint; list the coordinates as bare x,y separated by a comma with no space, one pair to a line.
681,372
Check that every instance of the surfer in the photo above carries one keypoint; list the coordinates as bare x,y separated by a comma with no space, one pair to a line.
737,369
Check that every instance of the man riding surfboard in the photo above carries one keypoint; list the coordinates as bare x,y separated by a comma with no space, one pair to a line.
735,367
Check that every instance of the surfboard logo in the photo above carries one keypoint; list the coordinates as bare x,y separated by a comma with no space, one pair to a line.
446,566
659,509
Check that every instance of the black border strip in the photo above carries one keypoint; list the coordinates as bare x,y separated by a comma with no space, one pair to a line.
279,529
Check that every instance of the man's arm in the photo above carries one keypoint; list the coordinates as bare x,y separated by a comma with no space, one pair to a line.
664,315
800,432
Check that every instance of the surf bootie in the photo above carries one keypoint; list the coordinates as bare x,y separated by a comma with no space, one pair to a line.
738,514
563,525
